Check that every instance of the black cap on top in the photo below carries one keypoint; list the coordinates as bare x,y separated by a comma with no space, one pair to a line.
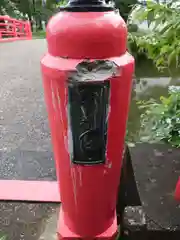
87,6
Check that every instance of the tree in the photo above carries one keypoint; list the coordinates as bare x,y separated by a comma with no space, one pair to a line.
36,10
161,42
125,7
61,3
8,7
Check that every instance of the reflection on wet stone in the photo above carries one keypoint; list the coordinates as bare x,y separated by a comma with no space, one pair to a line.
24,221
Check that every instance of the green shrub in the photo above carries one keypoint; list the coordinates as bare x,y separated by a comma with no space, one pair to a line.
3,237
161,120
161,42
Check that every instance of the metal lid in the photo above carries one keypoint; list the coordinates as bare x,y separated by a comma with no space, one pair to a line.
87,6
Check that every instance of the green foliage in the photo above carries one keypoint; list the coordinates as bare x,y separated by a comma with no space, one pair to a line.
132,27
3,237
61,3
161,120
23,6
132,43
39,35
125,7
34,8
8,7
28,9
161,41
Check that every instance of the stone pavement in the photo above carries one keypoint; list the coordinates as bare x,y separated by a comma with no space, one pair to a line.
25,146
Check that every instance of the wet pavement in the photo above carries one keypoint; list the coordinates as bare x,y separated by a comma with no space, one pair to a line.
25,146
28,221
23,118
157,169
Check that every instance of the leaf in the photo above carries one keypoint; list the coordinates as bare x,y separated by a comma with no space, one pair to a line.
164,49
167,27
3,237
157,21
161,121
159,61
171,57
150,17
164,100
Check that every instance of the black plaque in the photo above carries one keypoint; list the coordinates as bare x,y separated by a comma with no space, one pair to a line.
88,113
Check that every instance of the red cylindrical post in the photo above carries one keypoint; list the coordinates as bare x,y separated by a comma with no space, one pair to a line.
87,106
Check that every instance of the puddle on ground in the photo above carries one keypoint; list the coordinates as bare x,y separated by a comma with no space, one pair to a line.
26,221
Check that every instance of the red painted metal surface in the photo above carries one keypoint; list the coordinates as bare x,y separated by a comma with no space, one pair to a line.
12,29
65,233
30,191
87,35
88,193
177,191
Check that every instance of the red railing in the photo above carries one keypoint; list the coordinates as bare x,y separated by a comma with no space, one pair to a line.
12,29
